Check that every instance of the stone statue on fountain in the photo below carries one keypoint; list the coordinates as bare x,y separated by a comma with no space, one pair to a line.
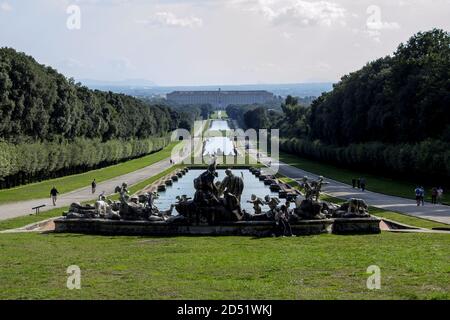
232,187
213,202
128,207
311,208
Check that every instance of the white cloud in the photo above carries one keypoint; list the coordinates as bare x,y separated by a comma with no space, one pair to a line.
101,2
5,6
169,19
296,12
287,35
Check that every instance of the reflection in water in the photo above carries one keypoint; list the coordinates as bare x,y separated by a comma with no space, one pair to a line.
185,186
219,145
219,125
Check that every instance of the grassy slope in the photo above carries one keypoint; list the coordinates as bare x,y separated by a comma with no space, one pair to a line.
73,182
374,182
413,266
25,220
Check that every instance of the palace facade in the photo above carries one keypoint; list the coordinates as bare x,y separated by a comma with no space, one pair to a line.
221,99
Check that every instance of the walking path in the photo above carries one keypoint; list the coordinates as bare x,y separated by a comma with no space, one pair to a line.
439,213
22,208
17,209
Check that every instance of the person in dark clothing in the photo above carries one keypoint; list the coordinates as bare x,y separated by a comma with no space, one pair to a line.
434,193
94,186
53,194
359,183
362,183
418,192
354,183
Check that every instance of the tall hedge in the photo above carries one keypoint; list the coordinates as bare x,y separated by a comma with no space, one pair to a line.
428,160
27,162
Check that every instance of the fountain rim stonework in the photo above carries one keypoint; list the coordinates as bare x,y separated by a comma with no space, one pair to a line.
230,220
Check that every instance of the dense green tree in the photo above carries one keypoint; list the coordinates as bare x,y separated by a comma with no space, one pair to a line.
391,115
400,98
37,103
51,126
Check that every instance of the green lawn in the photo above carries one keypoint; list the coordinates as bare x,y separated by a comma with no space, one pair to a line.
413,266
375,183
73,182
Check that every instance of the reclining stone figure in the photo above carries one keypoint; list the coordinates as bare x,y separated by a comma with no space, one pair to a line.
78,211
353,208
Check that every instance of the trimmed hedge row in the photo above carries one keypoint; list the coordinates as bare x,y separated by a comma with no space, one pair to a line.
429,160
27,162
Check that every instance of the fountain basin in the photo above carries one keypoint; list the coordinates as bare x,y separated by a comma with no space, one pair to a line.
356,226
160,228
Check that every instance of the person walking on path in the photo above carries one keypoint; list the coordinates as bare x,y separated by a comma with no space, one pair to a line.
440,193
94,186
358,183
363,184
417,192
433,195
422,195
53,194
354,183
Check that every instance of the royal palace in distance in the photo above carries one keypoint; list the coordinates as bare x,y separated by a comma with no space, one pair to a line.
220,98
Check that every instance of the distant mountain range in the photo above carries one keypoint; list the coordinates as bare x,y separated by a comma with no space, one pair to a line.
145,88
134,83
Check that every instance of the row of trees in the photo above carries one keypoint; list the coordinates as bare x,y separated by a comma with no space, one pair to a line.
252,115
426,160
391,115
403,98
188,114
38,103
51,126
27,162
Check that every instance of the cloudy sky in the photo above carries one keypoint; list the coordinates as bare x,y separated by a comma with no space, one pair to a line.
195,42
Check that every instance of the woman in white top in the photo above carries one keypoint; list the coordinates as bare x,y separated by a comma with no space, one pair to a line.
440,193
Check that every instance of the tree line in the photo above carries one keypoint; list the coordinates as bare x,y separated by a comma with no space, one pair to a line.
51,126
391,115
425,161
28,162
38,103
